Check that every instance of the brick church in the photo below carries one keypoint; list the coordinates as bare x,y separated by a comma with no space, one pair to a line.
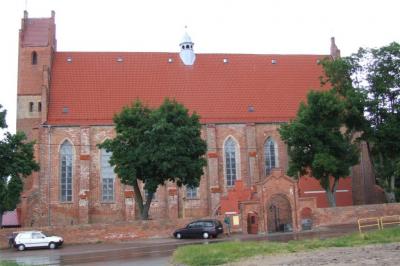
66,102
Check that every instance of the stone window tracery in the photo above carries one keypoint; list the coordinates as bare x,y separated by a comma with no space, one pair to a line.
66,167
230,162
107,177
270,155
191,192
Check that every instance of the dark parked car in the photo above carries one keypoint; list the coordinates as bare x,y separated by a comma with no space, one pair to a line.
200,228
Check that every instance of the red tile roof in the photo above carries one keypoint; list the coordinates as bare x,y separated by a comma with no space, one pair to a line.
36,31
94,85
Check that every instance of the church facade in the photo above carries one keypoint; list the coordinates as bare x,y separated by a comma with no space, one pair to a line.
66,102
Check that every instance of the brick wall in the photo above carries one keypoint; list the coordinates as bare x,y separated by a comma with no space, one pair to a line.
95,233
350,214
87,206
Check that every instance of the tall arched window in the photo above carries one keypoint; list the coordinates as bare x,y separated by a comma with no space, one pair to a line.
107,176
34,58
270,155
230,161
66,167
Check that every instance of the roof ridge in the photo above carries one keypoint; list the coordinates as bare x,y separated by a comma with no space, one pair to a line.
210,54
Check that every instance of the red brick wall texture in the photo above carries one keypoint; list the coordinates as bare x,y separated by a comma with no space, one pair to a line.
97,233
126,231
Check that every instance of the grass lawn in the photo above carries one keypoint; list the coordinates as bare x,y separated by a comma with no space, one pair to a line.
220,253
9,263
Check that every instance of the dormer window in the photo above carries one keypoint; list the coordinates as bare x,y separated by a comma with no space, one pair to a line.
34,58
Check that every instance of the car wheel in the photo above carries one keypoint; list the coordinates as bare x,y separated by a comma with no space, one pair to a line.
206,235
21,247
178,235
52,245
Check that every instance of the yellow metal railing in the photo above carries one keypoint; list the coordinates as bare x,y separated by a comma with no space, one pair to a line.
368,222
378,222
386,220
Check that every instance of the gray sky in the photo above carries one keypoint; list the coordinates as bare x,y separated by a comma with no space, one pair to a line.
216,26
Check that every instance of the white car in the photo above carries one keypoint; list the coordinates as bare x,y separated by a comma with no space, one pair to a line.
33,239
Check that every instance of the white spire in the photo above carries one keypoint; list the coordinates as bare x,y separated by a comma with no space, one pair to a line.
186,38
187,54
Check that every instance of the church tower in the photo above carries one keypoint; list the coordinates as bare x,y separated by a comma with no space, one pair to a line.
37,44
187,54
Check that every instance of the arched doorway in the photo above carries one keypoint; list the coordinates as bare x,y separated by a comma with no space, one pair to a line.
279,214
252,223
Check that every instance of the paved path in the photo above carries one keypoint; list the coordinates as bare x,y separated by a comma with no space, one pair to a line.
146,252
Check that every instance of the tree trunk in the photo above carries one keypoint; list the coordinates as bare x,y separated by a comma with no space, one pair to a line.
331,193
1,219
392,184
390,196
389,193
138,197
149,198
370,158
143,207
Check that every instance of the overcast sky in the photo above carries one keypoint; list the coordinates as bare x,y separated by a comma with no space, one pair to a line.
216,26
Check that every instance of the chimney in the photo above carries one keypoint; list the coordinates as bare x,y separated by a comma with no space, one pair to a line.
53,13
335,52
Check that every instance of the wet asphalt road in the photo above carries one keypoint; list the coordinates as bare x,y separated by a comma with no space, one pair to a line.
149,252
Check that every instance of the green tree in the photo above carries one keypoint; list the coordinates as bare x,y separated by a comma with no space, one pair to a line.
339,77
318,144
155,146
377,72
16,161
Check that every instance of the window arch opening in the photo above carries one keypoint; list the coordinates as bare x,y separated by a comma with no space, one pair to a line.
107,176
34,58
230,161
270,156
66,168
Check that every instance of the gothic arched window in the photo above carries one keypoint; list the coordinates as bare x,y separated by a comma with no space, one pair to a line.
107,176
270,155
230,161
66,168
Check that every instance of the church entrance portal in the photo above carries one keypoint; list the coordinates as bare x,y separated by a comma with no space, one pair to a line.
279,214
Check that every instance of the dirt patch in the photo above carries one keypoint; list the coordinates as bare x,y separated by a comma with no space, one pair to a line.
386,254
